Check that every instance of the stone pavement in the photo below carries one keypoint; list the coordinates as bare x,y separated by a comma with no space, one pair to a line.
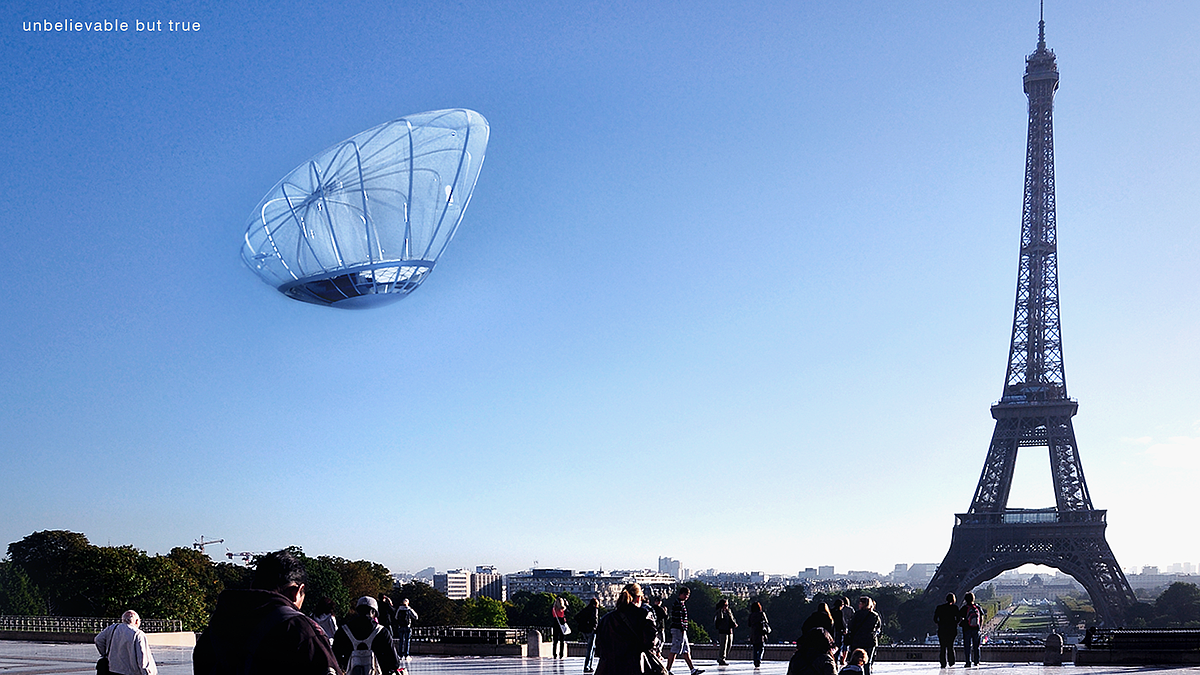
45,657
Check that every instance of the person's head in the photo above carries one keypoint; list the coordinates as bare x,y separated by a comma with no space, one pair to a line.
839,603
950,598
367,606
722,604
131,617
630,595
823,608
656,601
817,641
385,600
857,657
283,573
595,602
756,606
560,602
404,602
846,601
864,602
325,606
684,592
969,597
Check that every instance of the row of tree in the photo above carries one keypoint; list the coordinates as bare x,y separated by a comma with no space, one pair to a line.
60,573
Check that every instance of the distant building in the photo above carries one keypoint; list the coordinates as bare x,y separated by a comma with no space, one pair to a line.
587,585
456,584
670,566
487,582
825,572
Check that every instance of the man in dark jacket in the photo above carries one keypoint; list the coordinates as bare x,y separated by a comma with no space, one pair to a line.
946,618
586,621
361,627
863,631
261,630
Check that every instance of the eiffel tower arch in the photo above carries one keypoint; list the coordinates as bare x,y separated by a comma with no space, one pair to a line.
1034,411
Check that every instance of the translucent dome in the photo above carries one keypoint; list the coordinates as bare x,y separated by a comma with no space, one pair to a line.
363,223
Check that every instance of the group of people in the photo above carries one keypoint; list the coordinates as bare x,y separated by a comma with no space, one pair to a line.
949,617
842,637
263,630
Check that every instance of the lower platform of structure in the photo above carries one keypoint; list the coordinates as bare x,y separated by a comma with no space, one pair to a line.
80,659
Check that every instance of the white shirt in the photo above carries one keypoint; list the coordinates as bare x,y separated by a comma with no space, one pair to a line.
127,650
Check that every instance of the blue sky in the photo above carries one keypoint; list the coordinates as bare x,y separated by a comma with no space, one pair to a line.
735,285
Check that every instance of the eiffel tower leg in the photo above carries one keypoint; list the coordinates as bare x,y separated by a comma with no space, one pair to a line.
984,545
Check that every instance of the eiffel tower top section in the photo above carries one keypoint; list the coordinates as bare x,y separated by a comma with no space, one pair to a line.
1035,359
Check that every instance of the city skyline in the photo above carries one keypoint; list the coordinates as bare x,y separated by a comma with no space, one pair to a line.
735,284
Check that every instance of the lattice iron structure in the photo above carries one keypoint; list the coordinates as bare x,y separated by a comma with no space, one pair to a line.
1035,411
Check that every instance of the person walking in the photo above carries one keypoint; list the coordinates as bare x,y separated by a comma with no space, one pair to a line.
839,627
679,638
660,621
626,636
864,630
325,618
406,616
363,645
586,620
760,628
946,618
847,615
558,611
971,617
725,624
125,646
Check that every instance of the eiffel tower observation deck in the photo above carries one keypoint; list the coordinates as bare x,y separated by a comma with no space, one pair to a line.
1034,410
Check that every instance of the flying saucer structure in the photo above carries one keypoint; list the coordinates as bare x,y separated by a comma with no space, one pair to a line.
363,223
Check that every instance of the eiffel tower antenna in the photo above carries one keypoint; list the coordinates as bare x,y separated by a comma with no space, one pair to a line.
1034,410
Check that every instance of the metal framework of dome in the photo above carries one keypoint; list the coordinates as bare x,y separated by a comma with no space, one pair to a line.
363,223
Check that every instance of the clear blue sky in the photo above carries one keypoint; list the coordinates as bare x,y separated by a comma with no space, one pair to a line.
735,285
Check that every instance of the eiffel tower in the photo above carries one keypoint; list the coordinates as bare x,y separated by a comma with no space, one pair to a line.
1035,411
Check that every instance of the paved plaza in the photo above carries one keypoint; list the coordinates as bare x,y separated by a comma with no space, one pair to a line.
46,657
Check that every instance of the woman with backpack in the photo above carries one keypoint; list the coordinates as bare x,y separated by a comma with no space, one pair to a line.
971,618
725,624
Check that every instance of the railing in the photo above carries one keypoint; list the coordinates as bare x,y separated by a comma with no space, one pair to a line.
1186,639
79,624
469,635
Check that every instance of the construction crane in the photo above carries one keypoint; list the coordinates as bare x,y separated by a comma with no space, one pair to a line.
201,543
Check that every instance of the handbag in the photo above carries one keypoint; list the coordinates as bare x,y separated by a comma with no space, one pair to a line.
102,666
652,664
563,627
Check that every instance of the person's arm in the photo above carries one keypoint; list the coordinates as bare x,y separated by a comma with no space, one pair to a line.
141,652
102,640
385,652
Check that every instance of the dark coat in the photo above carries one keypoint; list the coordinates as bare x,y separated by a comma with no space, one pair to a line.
946,618
817,619
864,629
621,638
587,619
806,664
256,631
759,627
361,627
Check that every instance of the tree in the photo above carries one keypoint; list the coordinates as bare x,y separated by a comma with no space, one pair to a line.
1178,606
484,612
434,608
48,559
702,611
325,582
171,593
18,595
361,577
531,609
